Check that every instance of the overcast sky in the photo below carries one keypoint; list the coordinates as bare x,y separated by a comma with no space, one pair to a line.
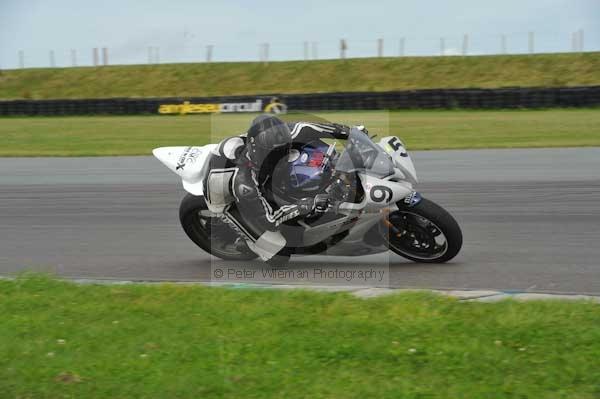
182,28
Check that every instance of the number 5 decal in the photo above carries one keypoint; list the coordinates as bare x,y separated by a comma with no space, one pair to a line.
395,143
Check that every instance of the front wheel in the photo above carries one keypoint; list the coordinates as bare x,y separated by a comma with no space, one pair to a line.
425,232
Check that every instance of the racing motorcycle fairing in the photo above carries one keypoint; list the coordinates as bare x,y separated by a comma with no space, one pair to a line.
395,148
383,174
188,163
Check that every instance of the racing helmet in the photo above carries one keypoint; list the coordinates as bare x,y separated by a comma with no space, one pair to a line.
269,141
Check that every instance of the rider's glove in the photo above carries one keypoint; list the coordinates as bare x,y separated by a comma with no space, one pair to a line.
363,129
313,206
321,203
337,190
305,206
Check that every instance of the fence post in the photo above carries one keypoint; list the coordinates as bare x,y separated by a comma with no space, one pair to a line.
21,59
52,60
465,44
104,56
73,57
209,50
442,46
401,48
531,41
315,54
264,53
343,48
305,51
379,48
95,56
580,39
503,44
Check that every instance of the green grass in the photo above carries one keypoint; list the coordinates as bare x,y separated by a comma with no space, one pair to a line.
138,135
369,74
60,340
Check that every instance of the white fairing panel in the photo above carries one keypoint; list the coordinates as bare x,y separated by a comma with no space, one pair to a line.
383,193
395,147
187,162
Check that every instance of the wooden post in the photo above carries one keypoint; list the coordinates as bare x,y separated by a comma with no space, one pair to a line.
531,42
343,48
95,56
379,48
264,53
209,51
267,48
465,44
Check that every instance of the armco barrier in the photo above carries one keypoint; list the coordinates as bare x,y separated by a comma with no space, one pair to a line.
588,96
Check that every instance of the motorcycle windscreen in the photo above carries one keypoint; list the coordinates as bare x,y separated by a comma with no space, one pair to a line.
362,155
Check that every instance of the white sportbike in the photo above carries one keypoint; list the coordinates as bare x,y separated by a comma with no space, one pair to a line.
378,210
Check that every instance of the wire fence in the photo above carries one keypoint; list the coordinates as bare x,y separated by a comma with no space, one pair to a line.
190,50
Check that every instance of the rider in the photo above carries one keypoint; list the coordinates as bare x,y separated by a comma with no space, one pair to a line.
240,168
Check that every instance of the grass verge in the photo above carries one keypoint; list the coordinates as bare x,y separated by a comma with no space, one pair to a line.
367,74
138,135
58,339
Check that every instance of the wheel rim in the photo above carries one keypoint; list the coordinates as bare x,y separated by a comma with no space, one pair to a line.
416,236
221,237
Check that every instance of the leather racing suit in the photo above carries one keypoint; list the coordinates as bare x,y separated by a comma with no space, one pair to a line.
237,191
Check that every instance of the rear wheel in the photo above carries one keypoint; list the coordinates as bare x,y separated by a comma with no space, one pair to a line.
425,232
209,232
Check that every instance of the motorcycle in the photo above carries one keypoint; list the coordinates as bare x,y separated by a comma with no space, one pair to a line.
378,209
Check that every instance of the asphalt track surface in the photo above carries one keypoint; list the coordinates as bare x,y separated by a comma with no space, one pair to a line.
530,218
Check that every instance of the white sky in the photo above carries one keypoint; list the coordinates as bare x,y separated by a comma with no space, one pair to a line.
182,28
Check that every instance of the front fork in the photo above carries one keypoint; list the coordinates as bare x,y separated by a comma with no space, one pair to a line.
387,227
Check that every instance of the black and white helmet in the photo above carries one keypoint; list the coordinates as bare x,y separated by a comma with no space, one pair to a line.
269,141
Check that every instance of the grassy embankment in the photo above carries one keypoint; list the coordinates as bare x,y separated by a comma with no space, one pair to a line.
368,74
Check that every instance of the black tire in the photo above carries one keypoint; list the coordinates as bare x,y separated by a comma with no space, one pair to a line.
200,230
278,261
411,220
